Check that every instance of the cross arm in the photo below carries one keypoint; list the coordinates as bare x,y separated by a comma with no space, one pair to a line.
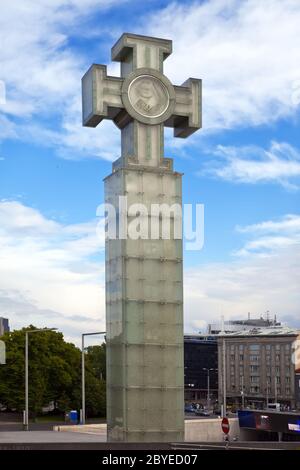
187,116
101,96
135,51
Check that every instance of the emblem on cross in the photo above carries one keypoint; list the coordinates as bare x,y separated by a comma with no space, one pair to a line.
142,93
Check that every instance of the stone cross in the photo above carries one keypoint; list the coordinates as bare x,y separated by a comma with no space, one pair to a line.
143,100
144,277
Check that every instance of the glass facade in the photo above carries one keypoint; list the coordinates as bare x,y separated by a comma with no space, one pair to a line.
144,316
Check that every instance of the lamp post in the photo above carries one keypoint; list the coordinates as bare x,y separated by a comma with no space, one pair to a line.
243,393
26,414
83,371
267,393
208,385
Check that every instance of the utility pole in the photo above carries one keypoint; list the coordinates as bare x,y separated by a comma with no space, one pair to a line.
224,369
208,385
26,384
267,393
82,380
208,397
243,393
83,414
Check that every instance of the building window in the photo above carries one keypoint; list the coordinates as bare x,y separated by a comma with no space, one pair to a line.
287,348
287,391
241,347
268,369
232,357
241,357
287,380
254,347
278,391
277,380
268,358
254,378
277,357
254,369
254,389
277,370
277,347
254,358
268,347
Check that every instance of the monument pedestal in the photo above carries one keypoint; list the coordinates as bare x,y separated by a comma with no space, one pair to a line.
144,318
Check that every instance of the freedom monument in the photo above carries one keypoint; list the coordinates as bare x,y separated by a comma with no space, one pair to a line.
144,277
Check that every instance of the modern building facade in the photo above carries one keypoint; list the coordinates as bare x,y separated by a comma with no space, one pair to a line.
200,359
260,367
4,325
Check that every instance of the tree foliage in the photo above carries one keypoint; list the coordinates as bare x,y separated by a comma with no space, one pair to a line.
54,373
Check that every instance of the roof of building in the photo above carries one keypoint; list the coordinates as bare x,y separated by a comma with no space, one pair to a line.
200,338
268,331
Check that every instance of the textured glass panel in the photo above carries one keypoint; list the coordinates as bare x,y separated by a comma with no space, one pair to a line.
144,321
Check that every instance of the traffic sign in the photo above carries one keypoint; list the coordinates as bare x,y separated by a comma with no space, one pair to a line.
225,426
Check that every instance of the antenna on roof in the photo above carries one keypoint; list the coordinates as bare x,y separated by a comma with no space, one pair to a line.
267,315
222,324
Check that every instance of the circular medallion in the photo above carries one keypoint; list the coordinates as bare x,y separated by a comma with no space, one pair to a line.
148,96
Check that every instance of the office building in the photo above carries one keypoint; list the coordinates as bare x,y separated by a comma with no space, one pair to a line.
4,325
261,367
200,359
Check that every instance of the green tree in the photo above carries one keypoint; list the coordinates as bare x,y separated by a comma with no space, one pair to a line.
54,374
96,358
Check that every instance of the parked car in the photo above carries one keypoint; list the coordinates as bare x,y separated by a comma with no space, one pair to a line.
201,412
189,408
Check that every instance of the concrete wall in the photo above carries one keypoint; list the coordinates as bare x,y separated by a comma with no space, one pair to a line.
196,430
205,430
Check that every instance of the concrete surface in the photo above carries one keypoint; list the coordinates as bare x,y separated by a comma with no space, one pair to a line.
49,436
196,430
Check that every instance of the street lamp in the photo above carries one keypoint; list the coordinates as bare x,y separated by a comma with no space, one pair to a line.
243,393
208,385
25,419
83,371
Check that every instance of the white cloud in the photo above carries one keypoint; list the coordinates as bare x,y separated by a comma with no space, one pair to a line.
271,236
246,51
238,47
49,274
42,76
279,164
49,267
290,223
266,276
253,285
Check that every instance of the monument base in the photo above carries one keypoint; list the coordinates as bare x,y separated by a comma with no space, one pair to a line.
144,315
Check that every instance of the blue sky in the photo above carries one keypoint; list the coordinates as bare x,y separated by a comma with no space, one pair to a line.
244,165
